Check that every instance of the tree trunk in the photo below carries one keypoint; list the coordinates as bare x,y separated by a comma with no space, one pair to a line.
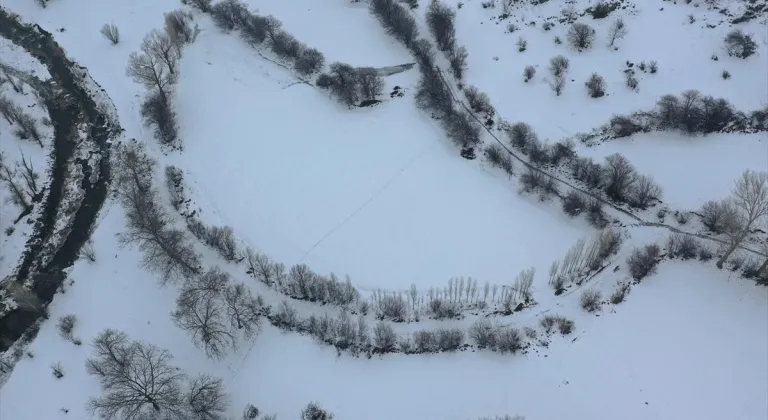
732,248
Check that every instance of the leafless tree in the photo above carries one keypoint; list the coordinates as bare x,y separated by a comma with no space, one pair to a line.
618,30
581,36
158,112
432,93
478,101
206,398
133,166
313,411
244,310
423,52
111,32
160,45
30,177
229,14
152,72
462,129
345,83
483,333
8,109
520,135
200,312
558,84
371,84
384,337
440,19
620,175
202,5
256,29
26,124
286,45
137,378
66,327
558,65
750,200
18,195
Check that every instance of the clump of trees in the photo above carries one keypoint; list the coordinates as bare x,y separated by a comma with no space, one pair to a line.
217,312
138,381
584,258
156,67
166,249
396,20
643,261
351,85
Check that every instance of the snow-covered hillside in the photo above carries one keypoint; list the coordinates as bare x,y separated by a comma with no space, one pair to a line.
523,291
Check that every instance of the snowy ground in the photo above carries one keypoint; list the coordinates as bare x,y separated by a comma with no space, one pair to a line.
378,193
14,150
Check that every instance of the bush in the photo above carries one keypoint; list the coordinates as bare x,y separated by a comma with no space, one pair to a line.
440,19
520,135
478,101
483,333
449,339
509,340
285,316
535,180
590,300
462,129
738,44
619,176
314,412
705,254
595,85
111,32
595,214
442,309
574,203
66,327
653,66
601,10
309,61
716,215
631,80
202,5
682,246
725,75
581,36
620,293
558,65
643,261
392,307
58,370
528,73
180,27
286,45
564,325
643,192
425,341
457,58
345,83
522,44
499,157
371,84
88,252
423,52
229,14
622,126
384,337
433,95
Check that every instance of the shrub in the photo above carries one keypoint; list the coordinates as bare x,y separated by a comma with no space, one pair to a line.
705,254
58,370
157,112
457,58
370,82
601,10
509,340
202,5
384,337
66,327
443,309
425,341
595,85
653,66
229,14
581,36
717,215
111,32
632,82
565,325
643,192
622,126
725,75
285,316
423,52
286,45
449,339
483,333
558,65
499,157
643,261
528,73
738,44
682,246
522,44
574,203
622,289
88,252
562,150
595,214
590,300
535,180
345,83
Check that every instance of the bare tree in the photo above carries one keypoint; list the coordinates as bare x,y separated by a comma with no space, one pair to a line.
314,412
739,44
581,36
558,65
206,399
200,312
558,84
160,45
157,112
620,176
286,45
618,30
88,252
152,72
371,84
462,129
18,195
345,83
137,379
384,337
243,309
133,166
256,29
111,32
229,14
528,73
750,200
440,19
30,178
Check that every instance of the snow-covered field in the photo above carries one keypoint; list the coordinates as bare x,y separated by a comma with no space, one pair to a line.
380,194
